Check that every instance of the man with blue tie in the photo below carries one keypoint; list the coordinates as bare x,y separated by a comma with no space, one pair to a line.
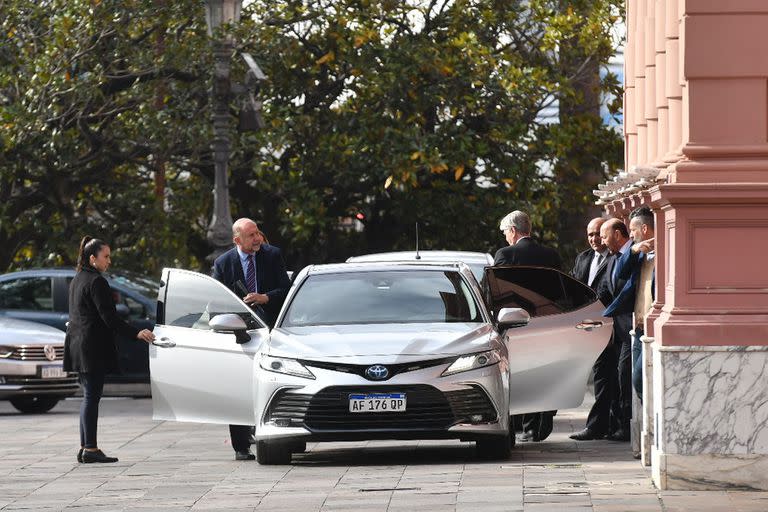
255,271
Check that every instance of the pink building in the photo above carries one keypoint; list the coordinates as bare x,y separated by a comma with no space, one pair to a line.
696,131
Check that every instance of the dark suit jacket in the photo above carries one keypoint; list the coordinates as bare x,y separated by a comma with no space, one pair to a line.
628,269
581,267
90,345
527,252
271,277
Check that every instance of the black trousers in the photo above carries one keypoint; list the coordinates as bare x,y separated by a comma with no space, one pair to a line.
603,416
540,423
92,384
240,436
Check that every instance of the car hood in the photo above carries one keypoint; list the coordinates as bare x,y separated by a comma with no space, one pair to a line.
389,343
22,332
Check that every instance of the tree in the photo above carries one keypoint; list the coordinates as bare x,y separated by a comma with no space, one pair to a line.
84,127
429,111
403,111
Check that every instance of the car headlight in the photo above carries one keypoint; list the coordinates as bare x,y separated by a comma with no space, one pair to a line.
473,362
285,365
6,351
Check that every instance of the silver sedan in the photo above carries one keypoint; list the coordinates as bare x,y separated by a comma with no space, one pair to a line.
367,351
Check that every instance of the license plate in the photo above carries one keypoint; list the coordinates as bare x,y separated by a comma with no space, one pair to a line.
52,372
377,402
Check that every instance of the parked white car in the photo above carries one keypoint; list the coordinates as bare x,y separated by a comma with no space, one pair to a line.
376,351
476,261
32,376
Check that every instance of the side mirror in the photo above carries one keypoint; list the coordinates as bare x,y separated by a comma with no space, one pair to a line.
122,310
229,322
513,317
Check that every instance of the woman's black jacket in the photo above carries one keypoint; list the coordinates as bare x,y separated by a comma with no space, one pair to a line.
93,321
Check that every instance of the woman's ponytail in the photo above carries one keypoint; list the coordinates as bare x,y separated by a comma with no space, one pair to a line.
89,246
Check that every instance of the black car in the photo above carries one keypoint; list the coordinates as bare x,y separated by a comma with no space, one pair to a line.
42,295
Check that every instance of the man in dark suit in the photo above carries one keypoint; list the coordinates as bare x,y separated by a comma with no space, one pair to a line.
590,268
255,271
522,250
638,266
618,293
590,265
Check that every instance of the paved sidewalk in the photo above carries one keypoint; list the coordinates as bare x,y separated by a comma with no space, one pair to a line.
167,466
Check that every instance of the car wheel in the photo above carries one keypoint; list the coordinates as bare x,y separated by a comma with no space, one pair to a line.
494,448
34,404
270,453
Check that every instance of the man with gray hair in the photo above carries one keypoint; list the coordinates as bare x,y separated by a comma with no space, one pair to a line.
522,250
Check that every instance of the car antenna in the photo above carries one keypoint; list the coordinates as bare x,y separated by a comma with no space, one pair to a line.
418,257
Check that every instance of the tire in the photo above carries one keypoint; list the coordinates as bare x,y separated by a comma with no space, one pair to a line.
271,453
494,448
34,404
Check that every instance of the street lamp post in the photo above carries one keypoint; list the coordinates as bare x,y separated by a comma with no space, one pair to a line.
217,13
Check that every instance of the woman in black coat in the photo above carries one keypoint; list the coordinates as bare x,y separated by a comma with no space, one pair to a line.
89,347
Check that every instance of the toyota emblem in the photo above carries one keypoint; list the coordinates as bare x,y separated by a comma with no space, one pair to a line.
50,352
377,372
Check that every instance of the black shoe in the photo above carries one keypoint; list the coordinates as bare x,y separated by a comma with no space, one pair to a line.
80,455
621,435
245,455
527,436
97,456
586,434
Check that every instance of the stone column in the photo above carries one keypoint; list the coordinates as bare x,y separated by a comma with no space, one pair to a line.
710,339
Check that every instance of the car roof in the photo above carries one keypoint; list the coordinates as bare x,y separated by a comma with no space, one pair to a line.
463,256
358,266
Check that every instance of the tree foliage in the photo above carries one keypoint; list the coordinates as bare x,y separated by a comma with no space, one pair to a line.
441,112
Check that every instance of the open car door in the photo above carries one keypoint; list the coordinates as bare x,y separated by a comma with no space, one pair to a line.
200,373
551,357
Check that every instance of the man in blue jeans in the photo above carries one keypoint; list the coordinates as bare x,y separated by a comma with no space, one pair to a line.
638,265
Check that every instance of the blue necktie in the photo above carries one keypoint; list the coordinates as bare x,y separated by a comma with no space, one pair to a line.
250,274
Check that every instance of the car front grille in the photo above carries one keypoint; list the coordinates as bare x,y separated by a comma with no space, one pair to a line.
427,409
359,369
38,385
35,353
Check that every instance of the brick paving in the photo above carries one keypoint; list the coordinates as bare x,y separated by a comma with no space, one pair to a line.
168,466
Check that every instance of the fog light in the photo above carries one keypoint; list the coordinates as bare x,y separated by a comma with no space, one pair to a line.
2,380
282,422
476,418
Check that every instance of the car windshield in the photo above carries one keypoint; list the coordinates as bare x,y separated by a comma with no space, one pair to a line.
382,297
146,286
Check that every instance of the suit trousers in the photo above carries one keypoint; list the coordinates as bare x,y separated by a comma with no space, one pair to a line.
240,437
604,415
637,362
92,384
621,326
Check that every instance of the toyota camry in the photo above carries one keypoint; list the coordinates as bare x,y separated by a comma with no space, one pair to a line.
366,351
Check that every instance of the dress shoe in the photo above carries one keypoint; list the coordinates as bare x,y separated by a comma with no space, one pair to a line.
586,434
97,456
621,435
527,436
246,455
80,455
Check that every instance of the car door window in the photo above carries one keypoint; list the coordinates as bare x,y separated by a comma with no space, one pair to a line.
30,293
191,300
539,291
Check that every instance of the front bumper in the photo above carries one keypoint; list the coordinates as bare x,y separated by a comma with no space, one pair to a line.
26,378
468,406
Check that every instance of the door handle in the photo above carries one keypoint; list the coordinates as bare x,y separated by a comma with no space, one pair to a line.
588,325
164,342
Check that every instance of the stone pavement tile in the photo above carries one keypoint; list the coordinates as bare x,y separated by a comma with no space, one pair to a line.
484,497
701,501
489,507
745,501
617,502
